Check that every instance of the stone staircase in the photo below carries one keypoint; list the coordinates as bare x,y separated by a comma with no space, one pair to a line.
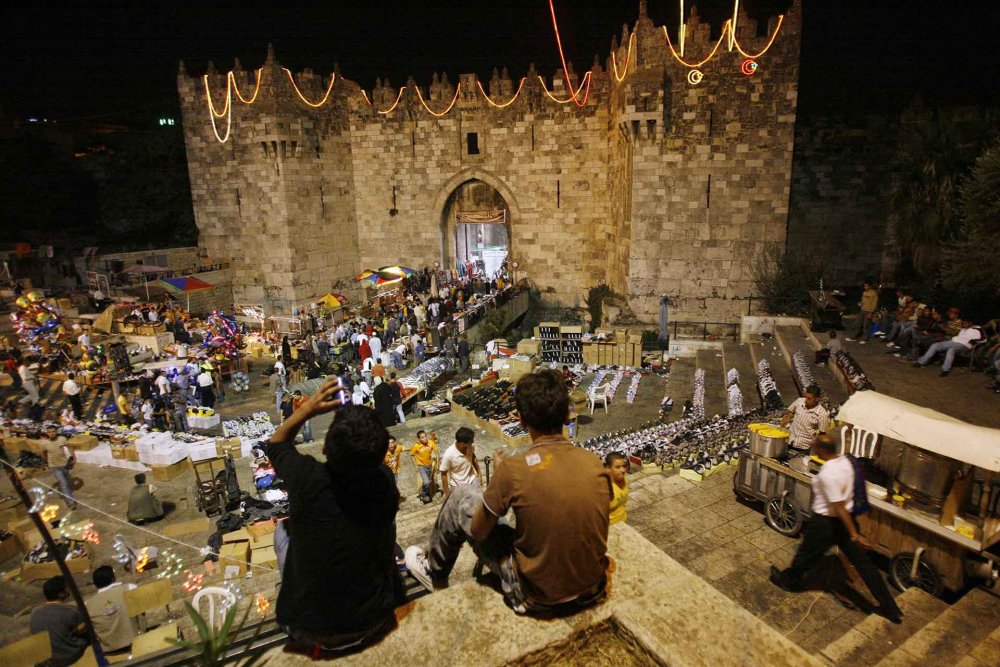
932,633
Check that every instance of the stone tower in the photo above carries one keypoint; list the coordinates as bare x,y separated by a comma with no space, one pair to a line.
664,174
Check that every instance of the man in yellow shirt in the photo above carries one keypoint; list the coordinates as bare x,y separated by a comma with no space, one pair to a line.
424,454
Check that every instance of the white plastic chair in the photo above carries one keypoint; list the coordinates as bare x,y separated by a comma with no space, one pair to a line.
598,394
216,596
858,442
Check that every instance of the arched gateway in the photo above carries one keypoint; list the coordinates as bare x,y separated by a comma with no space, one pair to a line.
477,210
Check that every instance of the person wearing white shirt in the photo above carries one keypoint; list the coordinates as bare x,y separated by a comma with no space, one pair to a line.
807,417
832,523
84,339
962,342
163,384
279,369
459,465
114,627
72,392
29,382
375,343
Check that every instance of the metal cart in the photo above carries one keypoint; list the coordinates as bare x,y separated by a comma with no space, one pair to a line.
210,492
922,551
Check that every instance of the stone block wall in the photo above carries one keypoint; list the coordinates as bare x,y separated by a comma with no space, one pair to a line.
657,184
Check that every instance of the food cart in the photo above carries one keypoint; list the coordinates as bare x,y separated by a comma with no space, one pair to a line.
935,514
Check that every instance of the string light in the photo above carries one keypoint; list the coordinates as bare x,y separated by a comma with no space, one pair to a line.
48,513
228,113
774,35
732,26
682,30
194,582
508,102
628,57
695,76
572,98
232,78
398,98
142,560
170,564
725,29
365,95
748,67
333,77
562,57
261,604
38,496
420,96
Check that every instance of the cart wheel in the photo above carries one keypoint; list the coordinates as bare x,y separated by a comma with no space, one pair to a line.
927,577
783,514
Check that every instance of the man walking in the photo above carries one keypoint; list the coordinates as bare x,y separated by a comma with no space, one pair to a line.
396,393
423,453
60,460
463,353
459,465
832,523
71,390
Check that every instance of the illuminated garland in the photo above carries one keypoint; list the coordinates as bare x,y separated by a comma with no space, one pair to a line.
628,56
774,35
228,112
562,57
232,79
398,98
329,89
420,96
574,97
673,51
508,102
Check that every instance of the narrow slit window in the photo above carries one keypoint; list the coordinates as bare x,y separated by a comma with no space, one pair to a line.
472,143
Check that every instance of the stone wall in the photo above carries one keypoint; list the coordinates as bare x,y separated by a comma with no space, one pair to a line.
840,195
655,185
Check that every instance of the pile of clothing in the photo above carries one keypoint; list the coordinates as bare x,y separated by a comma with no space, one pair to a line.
65,550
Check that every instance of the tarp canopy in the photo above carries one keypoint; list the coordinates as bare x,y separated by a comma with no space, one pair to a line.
184,284
144,268
332,300
924,428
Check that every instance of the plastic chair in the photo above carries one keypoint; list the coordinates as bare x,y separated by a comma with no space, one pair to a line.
598,394
223,597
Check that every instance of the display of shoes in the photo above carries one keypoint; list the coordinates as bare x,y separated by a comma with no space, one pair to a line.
850,367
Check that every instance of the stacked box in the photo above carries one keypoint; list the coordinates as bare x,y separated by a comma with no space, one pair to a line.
528,346
82,442
234,555
165,473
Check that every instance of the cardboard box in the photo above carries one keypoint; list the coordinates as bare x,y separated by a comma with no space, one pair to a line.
528,346
82,442
264,557
234,555
261,528
118,452
265,540
37,571
225,446
167,473
241,535
12,514
9,548
131,454
21,526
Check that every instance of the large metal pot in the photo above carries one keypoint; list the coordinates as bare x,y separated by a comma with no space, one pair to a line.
924,475
768,440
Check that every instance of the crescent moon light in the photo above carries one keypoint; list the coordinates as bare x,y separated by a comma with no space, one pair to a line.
695,77
749,67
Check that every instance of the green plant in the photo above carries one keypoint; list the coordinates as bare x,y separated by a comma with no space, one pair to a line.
212,644
782,280
595,302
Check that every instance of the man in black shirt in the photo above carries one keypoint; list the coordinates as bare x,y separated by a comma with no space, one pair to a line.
63,622
340,581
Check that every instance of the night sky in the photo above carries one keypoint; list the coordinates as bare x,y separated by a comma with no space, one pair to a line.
118,60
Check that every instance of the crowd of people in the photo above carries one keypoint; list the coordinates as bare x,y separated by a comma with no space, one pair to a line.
921,332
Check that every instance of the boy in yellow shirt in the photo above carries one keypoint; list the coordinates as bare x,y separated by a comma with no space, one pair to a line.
424,452
617,466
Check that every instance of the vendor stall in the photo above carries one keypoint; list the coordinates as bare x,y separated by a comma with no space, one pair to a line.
934,508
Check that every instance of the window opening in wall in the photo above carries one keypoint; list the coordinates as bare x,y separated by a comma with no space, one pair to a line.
413,143
532,136
274,148
651,128
635,128
472,143
295,149
558,193
711,119
263,145
708,192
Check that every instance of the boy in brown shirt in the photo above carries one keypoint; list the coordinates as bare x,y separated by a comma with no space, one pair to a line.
560,494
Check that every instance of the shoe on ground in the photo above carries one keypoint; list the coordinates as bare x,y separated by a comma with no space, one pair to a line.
895,616
851,340
880,334
778,579
418,567
862,342
890,345
898,355
917,364
944,374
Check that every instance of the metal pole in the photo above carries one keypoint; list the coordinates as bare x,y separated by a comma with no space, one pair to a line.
15,481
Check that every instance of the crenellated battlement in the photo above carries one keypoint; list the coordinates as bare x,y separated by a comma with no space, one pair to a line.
658,170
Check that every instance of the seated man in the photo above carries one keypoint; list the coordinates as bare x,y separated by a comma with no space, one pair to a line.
960,343
63,622
340,581
561,495
106,607
143,506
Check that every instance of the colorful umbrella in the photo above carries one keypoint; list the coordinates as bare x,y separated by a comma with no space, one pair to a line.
381,278
332,300
397,270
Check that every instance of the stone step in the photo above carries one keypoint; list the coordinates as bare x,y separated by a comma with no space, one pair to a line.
792,339
985,654
737,355
953,635
768,349
874,637
715,389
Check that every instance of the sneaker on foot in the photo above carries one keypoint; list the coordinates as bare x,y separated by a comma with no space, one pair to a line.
851,340
418,567
944,374
880,334
862,342
918,365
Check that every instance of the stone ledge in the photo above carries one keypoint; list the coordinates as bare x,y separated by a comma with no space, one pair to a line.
673,613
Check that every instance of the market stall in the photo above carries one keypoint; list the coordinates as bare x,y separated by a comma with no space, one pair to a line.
933,489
